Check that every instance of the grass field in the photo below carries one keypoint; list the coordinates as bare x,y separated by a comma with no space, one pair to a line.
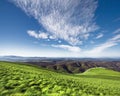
18,79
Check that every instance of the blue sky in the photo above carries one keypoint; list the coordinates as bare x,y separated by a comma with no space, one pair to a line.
57,28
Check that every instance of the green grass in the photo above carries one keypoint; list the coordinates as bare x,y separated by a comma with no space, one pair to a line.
101,71
22,80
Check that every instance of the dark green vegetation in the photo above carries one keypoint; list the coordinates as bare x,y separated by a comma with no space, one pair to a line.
26,80
76,66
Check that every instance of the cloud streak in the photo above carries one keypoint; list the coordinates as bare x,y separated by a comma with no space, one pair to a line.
68,47
109,43
117,31
69,20
99,36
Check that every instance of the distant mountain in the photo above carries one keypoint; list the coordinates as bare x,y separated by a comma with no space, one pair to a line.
38,59
20,58
74,66
69,65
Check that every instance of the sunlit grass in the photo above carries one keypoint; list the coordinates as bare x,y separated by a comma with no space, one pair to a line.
24,80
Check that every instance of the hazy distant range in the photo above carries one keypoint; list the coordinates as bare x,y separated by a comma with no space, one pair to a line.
38,59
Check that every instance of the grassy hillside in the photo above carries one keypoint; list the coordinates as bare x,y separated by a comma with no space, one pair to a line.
101,71
23,80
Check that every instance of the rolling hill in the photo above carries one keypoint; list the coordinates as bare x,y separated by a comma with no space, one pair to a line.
76,66
28,80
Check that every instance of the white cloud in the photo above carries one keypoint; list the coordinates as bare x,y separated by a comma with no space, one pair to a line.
40,35
69,20
101,47
99,36
86,36
52,37
115,38
43,35
109,43
32,33
68,47
59,41
117,31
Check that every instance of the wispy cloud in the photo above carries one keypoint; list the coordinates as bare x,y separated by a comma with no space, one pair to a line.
40,35
109,43
117,31
68,47
102,47
69,20
115,38
43,35
99,36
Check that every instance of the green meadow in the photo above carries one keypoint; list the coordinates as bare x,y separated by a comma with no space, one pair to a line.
18,79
